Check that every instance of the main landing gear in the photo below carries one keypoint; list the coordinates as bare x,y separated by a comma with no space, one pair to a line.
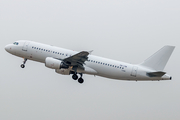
24,62
75,77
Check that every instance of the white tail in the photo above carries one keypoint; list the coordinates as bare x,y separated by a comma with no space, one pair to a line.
158,60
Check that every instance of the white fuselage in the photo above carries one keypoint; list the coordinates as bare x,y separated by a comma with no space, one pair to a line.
104,67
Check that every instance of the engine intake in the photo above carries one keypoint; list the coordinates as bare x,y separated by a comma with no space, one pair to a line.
55,63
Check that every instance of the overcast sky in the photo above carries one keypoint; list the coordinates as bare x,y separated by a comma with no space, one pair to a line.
124,30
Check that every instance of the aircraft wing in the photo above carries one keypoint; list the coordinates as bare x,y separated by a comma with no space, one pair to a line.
77,59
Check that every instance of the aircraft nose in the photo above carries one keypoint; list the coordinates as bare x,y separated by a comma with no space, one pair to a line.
8,48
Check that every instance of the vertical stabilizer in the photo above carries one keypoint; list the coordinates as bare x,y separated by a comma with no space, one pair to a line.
158,60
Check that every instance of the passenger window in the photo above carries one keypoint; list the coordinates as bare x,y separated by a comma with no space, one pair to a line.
117,66
34,47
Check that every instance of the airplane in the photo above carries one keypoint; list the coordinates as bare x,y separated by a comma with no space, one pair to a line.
67,62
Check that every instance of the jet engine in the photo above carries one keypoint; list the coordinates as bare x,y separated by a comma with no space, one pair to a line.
55,63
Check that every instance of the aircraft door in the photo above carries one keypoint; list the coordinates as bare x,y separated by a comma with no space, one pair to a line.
134,71
25,46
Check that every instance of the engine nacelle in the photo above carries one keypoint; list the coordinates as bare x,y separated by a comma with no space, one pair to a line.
55,63
63,71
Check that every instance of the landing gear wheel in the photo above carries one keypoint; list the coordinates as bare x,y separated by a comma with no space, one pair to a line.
22,66
80,80
75,77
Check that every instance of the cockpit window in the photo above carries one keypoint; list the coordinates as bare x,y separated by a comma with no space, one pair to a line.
15,43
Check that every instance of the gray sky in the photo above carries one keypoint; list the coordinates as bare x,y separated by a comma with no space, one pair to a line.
128,30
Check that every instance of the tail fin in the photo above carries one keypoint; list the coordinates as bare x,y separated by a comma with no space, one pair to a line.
158,60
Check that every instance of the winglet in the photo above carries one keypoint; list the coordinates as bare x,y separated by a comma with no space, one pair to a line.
90,51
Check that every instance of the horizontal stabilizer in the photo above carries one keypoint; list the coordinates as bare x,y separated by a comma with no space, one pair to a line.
155,74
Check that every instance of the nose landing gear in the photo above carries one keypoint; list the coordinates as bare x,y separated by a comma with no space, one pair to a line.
22,66
24,62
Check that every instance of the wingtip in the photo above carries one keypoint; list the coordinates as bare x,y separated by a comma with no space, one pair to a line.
90,51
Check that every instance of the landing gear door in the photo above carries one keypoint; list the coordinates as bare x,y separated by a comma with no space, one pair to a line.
25,46
134,71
